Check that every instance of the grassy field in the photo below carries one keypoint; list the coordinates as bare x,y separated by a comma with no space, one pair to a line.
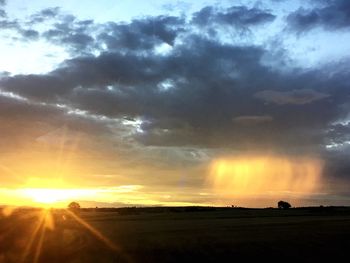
175,235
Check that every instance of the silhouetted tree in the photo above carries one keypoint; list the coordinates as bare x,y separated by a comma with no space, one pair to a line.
74,206
283,205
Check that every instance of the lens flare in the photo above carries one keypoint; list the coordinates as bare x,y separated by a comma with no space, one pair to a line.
266,175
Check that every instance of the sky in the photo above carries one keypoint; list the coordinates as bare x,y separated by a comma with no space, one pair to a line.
119,103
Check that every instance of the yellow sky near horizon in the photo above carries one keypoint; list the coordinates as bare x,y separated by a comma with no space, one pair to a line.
253,180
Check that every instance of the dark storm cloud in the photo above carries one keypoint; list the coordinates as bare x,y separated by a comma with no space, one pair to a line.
202,92
338,167
21,122
252,120
338,135
301,96
238,16
330,15
24,124
211,90
107,69
36,86
142,34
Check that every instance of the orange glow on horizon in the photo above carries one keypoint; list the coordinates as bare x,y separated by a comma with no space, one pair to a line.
52,196
266,175
50,192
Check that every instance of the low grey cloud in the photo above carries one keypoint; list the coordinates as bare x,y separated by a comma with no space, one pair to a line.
301,96
252,120
25,122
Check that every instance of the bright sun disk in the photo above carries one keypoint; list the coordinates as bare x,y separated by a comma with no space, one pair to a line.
51,196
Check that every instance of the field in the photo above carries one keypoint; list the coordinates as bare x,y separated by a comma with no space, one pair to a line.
175,235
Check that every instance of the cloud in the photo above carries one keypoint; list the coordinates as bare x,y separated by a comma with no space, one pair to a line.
9,24
215,91
35,120
85,36
252,120
29,34
75,35
297,97
16,26
338,136
238,16
211,85
331,15
142,34
45,14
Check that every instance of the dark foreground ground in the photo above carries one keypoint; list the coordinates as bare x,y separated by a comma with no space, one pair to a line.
175,235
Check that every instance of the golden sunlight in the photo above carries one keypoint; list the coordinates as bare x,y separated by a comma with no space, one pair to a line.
51,196
45,192
266,175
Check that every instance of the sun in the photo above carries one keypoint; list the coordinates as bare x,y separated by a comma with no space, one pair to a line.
55,197
51,192
47,196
